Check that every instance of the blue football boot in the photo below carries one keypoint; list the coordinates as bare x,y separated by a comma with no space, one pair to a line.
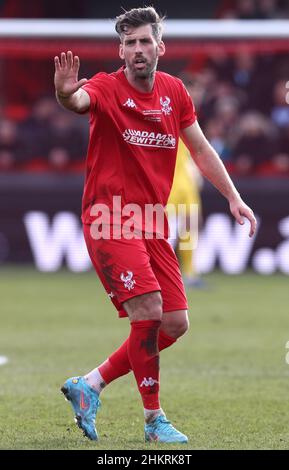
161,430
85,404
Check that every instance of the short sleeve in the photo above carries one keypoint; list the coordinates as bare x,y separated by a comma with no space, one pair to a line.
187,109
95,88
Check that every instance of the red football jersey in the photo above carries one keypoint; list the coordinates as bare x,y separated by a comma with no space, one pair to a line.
133,140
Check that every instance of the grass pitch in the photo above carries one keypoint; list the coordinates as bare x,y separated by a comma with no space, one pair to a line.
225,384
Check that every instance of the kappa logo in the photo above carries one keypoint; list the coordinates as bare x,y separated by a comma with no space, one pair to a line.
166,108
111,295
130,103
148,382
128,280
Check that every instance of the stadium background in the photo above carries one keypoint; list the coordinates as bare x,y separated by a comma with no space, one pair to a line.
240,86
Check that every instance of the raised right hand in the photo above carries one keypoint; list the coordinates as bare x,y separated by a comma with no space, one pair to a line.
66,74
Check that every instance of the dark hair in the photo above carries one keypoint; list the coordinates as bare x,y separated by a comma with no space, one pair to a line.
139,17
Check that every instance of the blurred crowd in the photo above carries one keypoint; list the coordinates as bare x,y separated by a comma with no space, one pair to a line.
43,138
254,9
241,102
243,108
239,9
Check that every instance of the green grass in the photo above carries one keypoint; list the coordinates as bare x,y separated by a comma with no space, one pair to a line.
225,384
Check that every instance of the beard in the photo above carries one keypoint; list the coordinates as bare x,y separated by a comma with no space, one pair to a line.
146,71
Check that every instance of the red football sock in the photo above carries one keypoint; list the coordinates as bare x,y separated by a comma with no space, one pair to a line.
143,354
118,363
165,341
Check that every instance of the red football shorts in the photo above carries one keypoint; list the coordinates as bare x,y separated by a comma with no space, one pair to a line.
128,268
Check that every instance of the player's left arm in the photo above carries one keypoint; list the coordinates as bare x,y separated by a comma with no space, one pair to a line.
212,167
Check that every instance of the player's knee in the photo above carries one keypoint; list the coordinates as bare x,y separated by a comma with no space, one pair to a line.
181,328
145,307
152,307
176,328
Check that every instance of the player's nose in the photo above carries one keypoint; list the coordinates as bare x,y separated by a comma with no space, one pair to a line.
138,47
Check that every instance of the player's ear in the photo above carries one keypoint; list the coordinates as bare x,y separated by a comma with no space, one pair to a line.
121,54
161,48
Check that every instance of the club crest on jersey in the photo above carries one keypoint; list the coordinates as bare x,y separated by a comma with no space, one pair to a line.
165,103
130,103
128,280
